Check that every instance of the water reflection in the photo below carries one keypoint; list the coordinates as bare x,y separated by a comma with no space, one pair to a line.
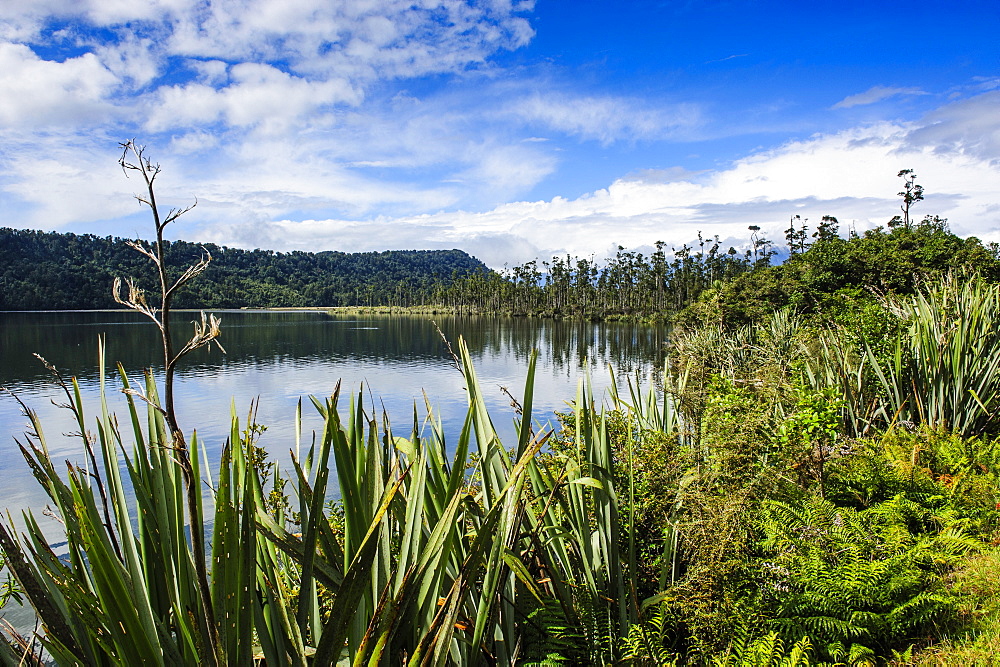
68,339
279,357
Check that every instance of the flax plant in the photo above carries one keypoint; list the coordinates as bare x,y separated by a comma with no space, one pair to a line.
428,566
126,591
944,370
447,570
831,361
134,160
422,568
181,611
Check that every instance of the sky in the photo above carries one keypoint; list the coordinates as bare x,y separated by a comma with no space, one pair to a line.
510,129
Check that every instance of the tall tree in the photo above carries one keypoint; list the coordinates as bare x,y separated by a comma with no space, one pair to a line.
911,194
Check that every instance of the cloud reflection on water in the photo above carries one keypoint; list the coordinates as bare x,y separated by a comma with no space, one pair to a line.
278,358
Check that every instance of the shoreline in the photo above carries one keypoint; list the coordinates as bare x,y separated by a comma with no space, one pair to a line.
380,310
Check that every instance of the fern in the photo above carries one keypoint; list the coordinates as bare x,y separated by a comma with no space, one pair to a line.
766,651
644,645
858,578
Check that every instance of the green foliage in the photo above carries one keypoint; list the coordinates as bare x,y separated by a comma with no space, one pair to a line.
9,590
644,644
942,471
944,368
628,285
911,194
766,651
809,436
777,406
549,637
974,639
835,276
846,577
40,270
648,468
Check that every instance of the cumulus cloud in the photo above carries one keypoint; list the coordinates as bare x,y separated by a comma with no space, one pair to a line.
258,94
875,94
36,92
133,60
356,39
240,62
319,37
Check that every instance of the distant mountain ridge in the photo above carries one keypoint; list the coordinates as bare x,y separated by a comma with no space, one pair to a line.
57,271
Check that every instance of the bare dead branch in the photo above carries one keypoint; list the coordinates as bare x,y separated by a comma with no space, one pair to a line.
134,160
136,300
175,213
145,399
141,163
514,403
140,246
191,271
456,363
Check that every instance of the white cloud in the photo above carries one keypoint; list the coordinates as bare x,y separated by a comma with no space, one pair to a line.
211,72
875,94
36,92
318,37
66,179
197,141
257,94
506,170
605,118
132,59
267,192
276,59
968,127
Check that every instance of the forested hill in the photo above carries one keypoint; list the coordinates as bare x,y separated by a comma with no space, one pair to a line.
49,271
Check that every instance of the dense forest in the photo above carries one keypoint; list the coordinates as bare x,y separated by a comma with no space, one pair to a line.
51,271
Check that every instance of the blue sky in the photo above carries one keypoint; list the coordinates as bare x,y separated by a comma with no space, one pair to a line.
512,130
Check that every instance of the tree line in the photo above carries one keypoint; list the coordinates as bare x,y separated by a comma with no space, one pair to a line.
629,284
50,271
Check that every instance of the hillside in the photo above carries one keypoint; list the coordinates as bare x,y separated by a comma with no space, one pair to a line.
52,271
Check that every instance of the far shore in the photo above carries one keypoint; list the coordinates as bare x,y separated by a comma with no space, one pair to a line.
391,310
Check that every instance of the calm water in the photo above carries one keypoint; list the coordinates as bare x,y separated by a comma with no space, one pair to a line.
278,357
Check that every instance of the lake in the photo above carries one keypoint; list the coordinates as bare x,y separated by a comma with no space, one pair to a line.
278,357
